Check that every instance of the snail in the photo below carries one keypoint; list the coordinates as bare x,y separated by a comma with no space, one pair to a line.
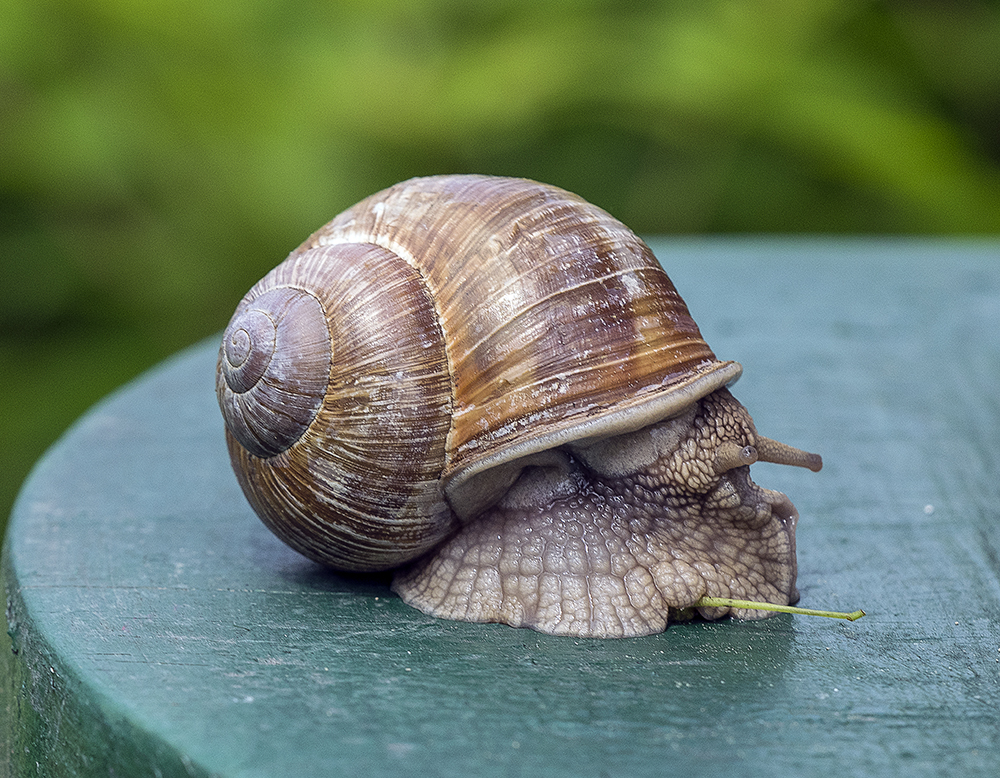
491,386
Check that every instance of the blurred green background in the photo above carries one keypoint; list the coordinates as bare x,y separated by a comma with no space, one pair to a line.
157,158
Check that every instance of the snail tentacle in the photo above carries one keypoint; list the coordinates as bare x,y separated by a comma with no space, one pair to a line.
782,454
731,454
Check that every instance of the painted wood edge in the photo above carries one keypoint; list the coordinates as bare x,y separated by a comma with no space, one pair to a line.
52,724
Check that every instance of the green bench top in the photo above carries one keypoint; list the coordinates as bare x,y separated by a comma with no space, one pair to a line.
157,628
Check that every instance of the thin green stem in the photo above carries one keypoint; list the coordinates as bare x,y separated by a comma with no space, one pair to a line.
725,602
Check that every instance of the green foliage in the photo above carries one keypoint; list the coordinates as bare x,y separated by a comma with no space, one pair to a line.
156,158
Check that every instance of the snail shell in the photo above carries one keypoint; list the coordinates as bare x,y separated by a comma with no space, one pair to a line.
391,381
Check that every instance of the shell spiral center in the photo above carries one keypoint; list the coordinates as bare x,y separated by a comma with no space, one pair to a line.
275,360
249,346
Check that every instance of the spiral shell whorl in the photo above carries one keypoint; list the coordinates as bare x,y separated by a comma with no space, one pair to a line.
249,346
275,367
358,487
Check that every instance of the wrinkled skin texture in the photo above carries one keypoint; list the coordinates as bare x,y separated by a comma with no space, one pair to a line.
619,539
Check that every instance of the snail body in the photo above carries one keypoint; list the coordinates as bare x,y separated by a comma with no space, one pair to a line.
492,385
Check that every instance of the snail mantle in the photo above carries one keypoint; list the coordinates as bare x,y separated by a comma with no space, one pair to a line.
492,387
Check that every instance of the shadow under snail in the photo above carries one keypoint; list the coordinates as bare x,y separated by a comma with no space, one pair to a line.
493,387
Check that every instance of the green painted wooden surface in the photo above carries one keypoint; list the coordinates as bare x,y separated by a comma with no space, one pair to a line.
158,629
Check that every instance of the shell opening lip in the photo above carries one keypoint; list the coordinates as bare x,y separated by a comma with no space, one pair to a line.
462,482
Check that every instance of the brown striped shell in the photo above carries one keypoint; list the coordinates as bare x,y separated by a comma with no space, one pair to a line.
382,384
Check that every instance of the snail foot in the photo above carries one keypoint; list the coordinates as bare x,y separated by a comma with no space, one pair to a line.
583,566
